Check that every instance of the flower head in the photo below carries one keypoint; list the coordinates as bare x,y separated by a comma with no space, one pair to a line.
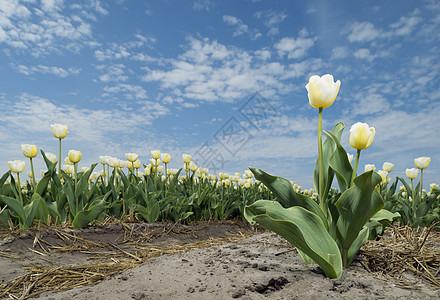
422,162
361,135
186,158
387,166
74,156
30,151
131,157
155,154
412,173
59,131
52,157
16,166
165,157
322,91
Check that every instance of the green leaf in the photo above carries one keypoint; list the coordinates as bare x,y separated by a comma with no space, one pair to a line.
328,148
301,228
15,206
283,190
85,216
84,181
339,163
356,206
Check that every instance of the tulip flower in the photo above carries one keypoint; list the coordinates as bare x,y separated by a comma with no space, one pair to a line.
361,137
412,173
74,156
322,92
52,157
433,186
186,158
59,131
30,151
387,166
165,157
369,167
384,175
155,154
69,169
422,163
131,157
68,162
17,166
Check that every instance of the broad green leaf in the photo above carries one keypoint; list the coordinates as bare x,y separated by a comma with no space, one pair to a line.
356,206
357,244
283,190
15,206
328,148
85,216
339,163
84,181
301,228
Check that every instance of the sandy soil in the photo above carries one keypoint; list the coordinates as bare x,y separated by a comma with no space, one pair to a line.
254,266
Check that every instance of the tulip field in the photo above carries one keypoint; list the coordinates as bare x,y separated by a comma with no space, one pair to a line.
328,225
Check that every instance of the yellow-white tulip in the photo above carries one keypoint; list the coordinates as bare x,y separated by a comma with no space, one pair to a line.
155,154
165,157
74,156
384,175
192,166
52,157
121,163
369,167
186,158
59,131
148,170
131,157
361,135
16,166
248,174
30,151
422,162
322,91
30,175
433,186
67,161
69,169
137,164
387,166
412,173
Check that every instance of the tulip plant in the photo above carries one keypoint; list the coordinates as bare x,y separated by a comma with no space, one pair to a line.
332,231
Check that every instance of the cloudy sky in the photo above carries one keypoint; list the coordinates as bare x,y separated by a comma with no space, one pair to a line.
220,80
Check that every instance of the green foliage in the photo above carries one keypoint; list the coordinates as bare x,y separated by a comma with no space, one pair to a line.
348,217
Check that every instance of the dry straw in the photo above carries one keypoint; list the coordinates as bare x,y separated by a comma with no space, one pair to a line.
108,258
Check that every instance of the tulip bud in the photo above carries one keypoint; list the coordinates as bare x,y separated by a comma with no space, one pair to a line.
422,162
412,173
186,158
52,157
131,157
387,167
192,166
155,154
350,157
369,167
16,166
68,169
433,186
361,135
137,164
74,156
384,175
59,131
322,91
165,157
30,151
248,174
148,170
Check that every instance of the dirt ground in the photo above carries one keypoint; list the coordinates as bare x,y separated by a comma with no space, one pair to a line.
219,260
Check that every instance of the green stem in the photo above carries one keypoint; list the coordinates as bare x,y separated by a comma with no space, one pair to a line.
412,194
75,167
421,184
59,159
19,189
33,175
322,203
356,162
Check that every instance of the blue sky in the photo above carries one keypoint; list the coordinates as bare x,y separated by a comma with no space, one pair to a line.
220,80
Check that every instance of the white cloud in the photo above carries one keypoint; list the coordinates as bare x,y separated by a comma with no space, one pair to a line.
363,32
206,5
364,53
405,25
294,48
210,71
41,69
112,73
271,20
340,52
